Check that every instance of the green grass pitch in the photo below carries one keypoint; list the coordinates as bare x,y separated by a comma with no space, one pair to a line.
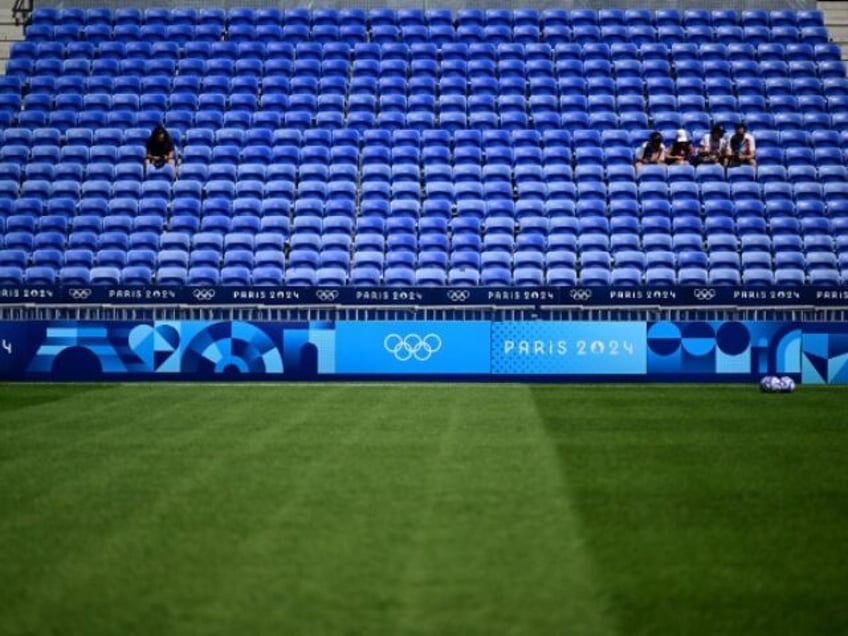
414,509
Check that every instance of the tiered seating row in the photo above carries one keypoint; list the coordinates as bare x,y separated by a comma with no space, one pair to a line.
438,26
411,207
456,85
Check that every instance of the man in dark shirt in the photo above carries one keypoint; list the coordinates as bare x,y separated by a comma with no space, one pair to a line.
713,146
741,149
160,148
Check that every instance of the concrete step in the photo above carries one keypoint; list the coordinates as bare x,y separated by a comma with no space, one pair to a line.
834,12
836,21
9,34
835,17
838,33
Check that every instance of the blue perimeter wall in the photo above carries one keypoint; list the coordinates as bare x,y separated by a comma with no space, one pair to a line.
725,351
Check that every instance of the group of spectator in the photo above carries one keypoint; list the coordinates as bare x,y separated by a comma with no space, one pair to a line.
737,149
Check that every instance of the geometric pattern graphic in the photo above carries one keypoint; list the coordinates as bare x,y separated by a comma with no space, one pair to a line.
86,350
231,348
825,355
154,343
710,348
310,348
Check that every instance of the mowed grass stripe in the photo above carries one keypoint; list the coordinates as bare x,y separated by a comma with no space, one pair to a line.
122,495
305,510
393,535
316,560
498,543
58,435
710,510
417,509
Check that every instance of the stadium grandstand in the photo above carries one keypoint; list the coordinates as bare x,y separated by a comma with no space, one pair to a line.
453,158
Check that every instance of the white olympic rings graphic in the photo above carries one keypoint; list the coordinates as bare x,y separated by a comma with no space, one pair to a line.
326,295
704,294
458,295
580,294
203,294
412,346
79,294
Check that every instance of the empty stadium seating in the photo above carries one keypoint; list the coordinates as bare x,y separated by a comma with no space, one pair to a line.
407,147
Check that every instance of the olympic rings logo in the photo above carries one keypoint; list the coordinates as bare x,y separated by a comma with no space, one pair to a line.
704,294
580,295
458,295
79,294
326,295
412,346
203,295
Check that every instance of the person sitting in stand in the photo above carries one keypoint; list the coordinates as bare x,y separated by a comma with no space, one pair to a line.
712,145
681,151
651,152
741,149
160,149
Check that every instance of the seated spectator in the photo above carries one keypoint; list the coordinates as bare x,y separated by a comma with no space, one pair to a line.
711,149
652,151
681,151
741,149
160,148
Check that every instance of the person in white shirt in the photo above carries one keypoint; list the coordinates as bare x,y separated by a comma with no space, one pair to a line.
681,151
651,152
712,145
741,148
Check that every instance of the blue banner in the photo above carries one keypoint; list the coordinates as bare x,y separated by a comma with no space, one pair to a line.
179,349
15,348
825,354
533,297
665,351
412,348
568,348
723,349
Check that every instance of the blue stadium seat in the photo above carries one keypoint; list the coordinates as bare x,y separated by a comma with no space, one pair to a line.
11,275
476,85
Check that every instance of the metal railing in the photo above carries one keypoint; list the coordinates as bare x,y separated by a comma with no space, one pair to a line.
260,313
